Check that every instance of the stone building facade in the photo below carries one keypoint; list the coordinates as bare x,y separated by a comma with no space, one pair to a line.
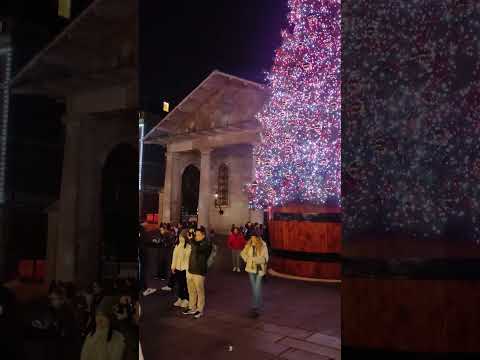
214,129
91,67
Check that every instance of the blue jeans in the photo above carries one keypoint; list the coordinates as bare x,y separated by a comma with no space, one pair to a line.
256,282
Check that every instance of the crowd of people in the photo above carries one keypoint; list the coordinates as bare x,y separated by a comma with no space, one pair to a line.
182,254
90,323
101,321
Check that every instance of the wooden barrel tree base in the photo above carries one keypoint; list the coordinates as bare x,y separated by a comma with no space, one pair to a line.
280,275
306,269
306,241
403,295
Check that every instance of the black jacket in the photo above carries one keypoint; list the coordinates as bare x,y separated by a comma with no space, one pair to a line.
198,257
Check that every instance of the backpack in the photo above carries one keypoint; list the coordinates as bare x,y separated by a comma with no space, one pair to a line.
211,257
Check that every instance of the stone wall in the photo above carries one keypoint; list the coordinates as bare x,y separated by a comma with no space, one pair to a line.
238,158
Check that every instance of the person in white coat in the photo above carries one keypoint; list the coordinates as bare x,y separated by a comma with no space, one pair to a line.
180,259
255,255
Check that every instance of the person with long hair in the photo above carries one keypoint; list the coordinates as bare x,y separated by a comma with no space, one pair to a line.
180,259
102,342
255,255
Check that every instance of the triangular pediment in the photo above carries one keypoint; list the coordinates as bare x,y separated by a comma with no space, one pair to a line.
222,102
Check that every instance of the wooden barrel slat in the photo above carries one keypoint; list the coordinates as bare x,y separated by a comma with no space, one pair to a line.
402,295
292,239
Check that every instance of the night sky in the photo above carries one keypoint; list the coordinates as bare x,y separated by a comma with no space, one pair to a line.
182,41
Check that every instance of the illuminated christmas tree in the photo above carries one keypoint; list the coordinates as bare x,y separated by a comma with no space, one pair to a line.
298,159
411,153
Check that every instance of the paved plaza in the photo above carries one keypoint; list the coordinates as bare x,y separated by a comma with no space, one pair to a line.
300,320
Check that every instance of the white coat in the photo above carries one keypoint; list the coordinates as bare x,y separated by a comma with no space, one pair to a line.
181,256
251,262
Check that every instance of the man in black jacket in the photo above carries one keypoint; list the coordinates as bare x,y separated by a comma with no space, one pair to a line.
197,270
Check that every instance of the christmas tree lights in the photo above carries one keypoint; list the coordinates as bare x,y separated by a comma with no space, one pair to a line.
411,152
298,159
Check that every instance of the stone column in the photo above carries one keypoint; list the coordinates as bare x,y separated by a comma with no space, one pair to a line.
160,206
167,187
88,203
176,192
52,244
67,227
205,196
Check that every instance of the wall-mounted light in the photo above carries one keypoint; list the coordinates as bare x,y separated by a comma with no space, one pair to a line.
218,205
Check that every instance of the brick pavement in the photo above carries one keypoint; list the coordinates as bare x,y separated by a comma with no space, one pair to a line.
300,321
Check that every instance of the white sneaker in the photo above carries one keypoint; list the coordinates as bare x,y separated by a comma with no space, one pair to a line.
149,291
166,288
198,314
234,269
178,303
184,304
238,270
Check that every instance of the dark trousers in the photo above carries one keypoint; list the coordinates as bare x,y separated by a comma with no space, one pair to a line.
181,280
164,262
142,279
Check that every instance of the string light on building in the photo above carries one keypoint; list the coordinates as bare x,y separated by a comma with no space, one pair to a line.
141,131
5,74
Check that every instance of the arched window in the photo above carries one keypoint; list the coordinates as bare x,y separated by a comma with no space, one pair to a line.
223,185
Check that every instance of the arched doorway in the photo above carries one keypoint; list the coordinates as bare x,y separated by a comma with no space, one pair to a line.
190,192
119,205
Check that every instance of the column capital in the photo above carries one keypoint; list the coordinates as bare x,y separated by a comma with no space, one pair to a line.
74,119
205,150
171,154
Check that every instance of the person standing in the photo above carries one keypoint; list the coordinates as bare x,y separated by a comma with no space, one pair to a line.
166,242
180,259
63,328
150,248
255,255
197,271
236,242
103,342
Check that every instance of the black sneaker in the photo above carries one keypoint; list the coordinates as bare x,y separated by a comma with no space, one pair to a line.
254,313
198,315
189,312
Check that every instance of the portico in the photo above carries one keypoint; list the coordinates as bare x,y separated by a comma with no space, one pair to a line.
213,128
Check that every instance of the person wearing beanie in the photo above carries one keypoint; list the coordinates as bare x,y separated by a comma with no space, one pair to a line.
102,342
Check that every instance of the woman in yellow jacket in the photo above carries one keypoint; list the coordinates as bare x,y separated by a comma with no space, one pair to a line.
255,255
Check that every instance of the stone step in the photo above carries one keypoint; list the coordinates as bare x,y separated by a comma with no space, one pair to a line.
311,348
